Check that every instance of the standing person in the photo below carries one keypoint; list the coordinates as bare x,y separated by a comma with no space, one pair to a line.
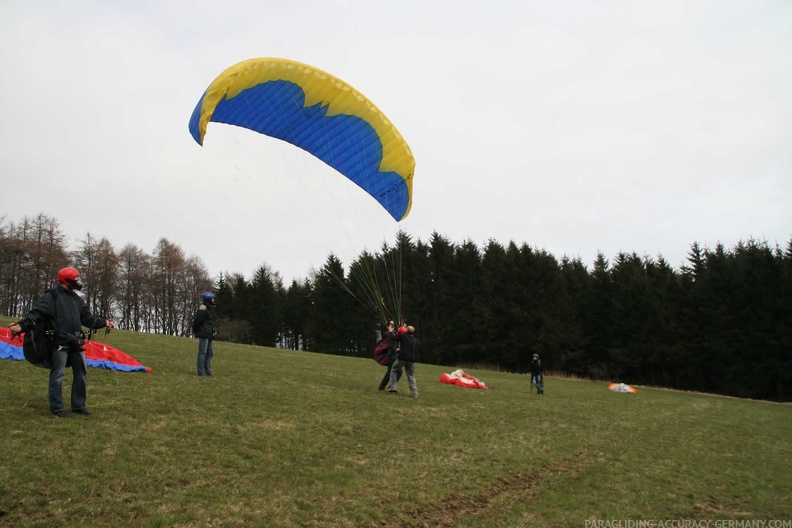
408,343
537,377
393,353
66,312
204,330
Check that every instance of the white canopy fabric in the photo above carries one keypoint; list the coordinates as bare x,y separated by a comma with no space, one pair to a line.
621,387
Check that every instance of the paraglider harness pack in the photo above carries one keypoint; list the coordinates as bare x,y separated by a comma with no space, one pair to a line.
39,342
383,352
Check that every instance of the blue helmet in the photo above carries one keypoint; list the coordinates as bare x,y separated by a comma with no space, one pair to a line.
208,296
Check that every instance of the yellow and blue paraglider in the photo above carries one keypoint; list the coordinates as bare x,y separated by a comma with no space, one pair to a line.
319,113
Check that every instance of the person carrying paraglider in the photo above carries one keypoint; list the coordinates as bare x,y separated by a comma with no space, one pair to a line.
393,352
537,376
407,343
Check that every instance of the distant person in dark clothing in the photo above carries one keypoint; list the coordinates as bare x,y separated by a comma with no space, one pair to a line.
68,313
392,355
204,330
537,376
408,343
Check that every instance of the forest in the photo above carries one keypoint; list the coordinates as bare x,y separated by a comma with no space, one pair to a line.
720,324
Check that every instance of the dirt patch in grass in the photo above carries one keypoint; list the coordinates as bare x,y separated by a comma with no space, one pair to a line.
522,488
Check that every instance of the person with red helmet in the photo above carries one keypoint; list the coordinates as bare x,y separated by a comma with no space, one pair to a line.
67,312
407,343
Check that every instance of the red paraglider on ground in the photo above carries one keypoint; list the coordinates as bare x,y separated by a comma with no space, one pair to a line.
98,355
460,379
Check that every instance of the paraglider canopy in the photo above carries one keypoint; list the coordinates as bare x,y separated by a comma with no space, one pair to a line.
97,354
621,387
319,113
461,379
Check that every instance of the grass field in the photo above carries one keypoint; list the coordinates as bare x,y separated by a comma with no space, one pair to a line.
280,438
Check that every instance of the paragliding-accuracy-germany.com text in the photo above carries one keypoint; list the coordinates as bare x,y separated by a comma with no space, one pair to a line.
688,523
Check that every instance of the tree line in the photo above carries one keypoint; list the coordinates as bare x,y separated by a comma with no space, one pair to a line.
722,323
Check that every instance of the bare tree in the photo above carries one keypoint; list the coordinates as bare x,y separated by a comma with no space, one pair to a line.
134,267
106,278
168,266
9,265
98,265
149,293
195,280
32,253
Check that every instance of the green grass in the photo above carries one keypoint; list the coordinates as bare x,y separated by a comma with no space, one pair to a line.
280,438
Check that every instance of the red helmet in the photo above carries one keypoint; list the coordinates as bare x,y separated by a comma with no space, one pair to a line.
70,278
402,329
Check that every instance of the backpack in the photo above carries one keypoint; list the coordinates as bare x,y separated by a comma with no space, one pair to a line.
39,342
381,352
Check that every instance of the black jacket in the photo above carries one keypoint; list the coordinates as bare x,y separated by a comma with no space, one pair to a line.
203,323
67,313
408,344
536,367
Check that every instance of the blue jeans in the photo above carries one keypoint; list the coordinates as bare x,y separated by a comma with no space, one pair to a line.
409,368
386,377
78,392
205,353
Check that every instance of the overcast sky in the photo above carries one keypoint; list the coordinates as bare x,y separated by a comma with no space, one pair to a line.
574,126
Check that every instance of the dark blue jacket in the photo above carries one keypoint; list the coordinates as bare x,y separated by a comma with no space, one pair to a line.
203,323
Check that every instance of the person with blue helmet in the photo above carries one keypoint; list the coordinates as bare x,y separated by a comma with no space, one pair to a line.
204,329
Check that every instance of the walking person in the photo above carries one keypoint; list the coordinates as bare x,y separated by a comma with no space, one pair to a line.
204,329
408,344
66,313
537,376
